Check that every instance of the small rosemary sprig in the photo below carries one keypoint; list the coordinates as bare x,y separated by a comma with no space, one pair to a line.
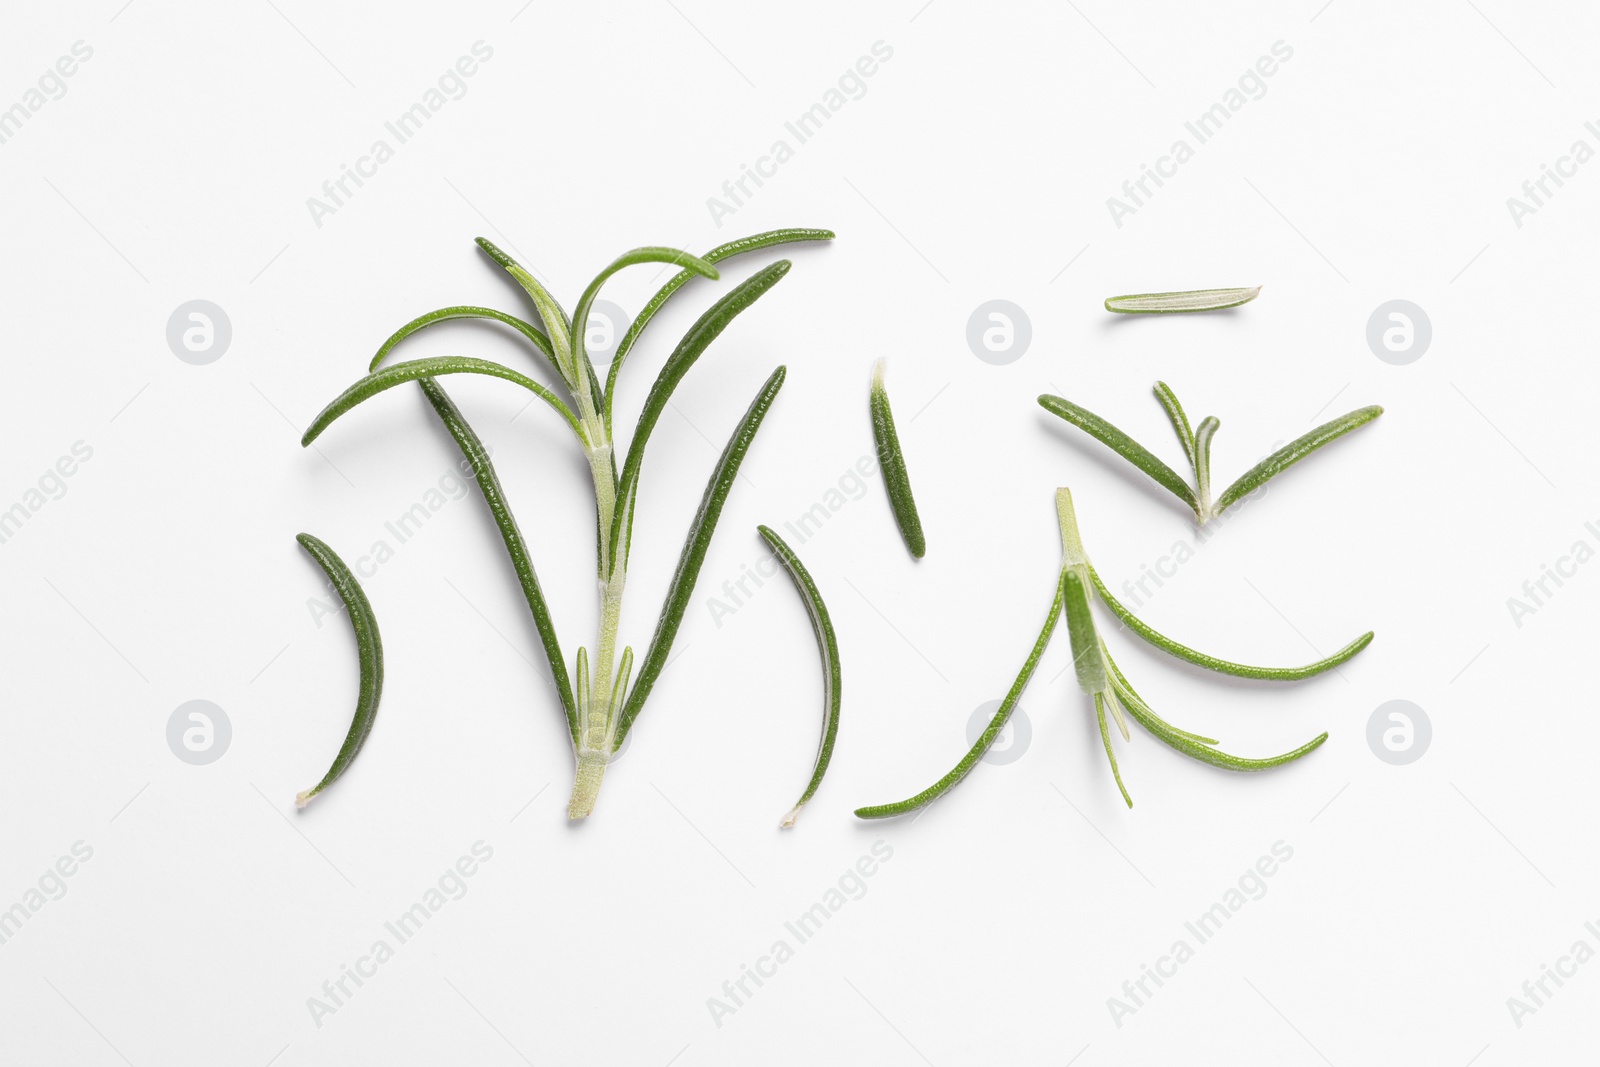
1100,679
1196,444
893,461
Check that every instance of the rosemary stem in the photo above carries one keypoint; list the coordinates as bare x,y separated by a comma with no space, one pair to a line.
595,725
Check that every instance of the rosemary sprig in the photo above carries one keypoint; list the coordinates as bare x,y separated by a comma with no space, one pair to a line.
369,654
893,461
1197,449
607,697
1099,678
828,647
1175,303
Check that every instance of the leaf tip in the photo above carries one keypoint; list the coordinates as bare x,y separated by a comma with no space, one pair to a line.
303,798
493,251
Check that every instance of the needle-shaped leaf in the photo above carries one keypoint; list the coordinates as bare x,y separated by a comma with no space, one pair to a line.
1222,666
1100,702
580,315
556,325
400,373
369,653
1122,445
1087,658
1293,453
1197,747
891,458
828,647
694,550
493,495
450,314
693,345
1202,462
1190,300
753,243
992,731
1175,415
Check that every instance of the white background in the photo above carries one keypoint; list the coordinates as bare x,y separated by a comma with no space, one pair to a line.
977,166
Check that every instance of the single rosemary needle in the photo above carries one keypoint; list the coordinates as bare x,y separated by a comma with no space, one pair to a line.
1174,303
369,653
893,461
828,647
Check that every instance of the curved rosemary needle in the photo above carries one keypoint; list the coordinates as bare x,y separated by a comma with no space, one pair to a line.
893,462
1195,746
451,314
1294,452
369,653
1189,300
400,373
694,552
1222,666
1180,421
739,247
489,485
828,646
992,731
1122,445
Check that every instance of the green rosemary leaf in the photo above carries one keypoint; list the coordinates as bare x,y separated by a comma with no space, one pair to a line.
1196,747
992,731
828,646
400,373
526,329
1122,445
1131,697
580,316
752,243
694,550
369,653
693,345
1293,453
892,460
1202,463
493,495
556,325
1191,300
1175,415
1086,654
1100,701
1222,666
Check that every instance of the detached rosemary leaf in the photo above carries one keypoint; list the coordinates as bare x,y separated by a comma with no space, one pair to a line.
892,460
369,652
493,495
992,731
1122,445
1293,453
400,373
1190,300
651,254
1222,666
694,550
526,329
693,345
677,281
828,646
